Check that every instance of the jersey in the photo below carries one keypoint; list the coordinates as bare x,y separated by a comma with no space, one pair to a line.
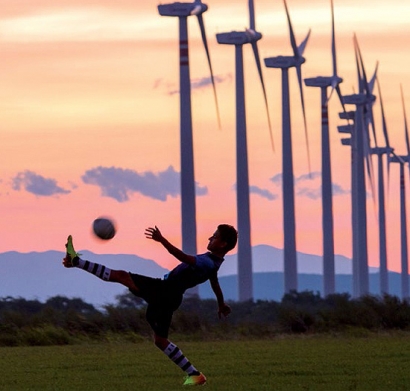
186,276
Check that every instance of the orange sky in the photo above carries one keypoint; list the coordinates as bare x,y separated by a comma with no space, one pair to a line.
88,84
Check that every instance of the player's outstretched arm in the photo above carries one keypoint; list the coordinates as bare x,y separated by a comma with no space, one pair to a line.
223,308
155,234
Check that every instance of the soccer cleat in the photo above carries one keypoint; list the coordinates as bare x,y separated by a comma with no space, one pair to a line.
70,253
195,380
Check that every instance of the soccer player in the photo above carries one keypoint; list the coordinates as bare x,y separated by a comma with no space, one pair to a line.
164,296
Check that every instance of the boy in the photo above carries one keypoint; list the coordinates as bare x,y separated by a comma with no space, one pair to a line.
164,296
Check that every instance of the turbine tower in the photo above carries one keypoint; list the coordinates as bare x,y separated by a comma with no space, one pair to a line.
327,203
238,39
289,223
402,160
359,217
188,206
379,152
360,150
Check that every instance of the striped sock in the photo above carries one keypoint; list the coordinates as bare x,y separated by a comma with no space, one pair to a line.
94,268
176,355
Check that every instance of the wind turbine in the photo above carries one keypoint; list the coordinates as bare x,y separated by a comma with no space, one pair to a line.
238,39
402,160
188,207
289,224
379,152
327,204
360,149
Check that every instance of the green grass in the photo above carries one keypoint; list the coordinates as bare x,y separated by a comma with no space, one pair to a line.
325,363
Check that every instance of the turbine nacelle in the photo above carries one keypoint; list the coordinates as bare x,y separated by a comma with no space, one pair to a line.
355,99
322,81
349,115
182,9
238,37
399,159
381,150
345,129
284,61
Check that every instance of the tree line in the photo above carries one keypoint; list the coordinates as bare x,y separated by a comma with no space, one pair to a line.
61,320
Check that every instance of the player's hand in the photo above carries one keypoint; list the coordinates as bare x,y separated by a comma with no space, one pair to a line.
154,234
224,310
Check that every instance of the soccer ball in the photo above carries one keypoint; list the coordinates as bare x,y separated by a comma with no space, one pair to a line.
104,228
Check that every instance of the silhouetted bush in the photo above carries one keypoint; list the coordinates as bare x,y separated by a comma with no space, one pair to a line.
61,320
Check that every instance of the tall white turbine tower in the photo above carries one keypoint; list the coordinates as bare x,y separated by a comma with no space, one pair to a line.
379,152
289,223
402,160
238,39
327,203
188,206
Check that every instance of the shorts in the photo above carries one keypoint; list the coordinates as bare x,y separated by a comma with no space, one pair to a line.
162,301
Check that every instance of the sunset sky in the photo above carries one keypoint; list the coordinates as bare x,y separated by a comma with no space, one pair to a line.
89,111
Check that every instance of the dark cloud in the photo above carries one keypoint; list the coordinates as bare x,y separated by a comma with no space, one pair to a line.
308,177
120,183
204,82
309,185
306,185
313,193
338,190
196,84
263,193
277,179
37,184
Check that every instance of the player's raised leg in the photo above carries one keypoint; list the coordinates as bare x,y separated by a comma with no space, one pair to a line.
72,259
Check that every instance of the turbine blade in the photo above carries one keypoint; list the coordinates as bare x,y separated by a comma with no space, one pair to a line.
258,65
251,15
334,62
339,94
371,121
367,89
335,79
384,126
292,35
334,84
302,99
386,136
373,79
363,71
302,46
385,133
205,42
369,163
406,130
359,73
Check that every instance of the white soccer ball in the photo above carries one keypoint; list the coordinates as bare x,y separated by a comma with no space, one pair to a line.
104,228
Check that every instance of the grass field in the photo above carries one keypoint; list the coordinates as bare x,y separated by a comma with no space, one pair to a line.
324,363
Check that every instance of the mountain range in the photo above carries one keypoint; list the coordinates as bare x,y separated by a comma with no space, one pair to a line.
40,276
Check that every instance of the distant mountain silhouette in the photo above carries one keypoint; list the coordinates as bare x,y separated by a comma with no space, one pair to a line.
269,286
270,259
40,276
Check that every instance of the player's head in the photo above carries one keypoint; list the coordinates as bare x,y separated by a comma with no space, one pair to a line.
229,235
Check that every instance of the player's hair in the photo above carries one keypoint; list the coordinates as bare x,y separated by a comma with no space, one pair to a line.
229,235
